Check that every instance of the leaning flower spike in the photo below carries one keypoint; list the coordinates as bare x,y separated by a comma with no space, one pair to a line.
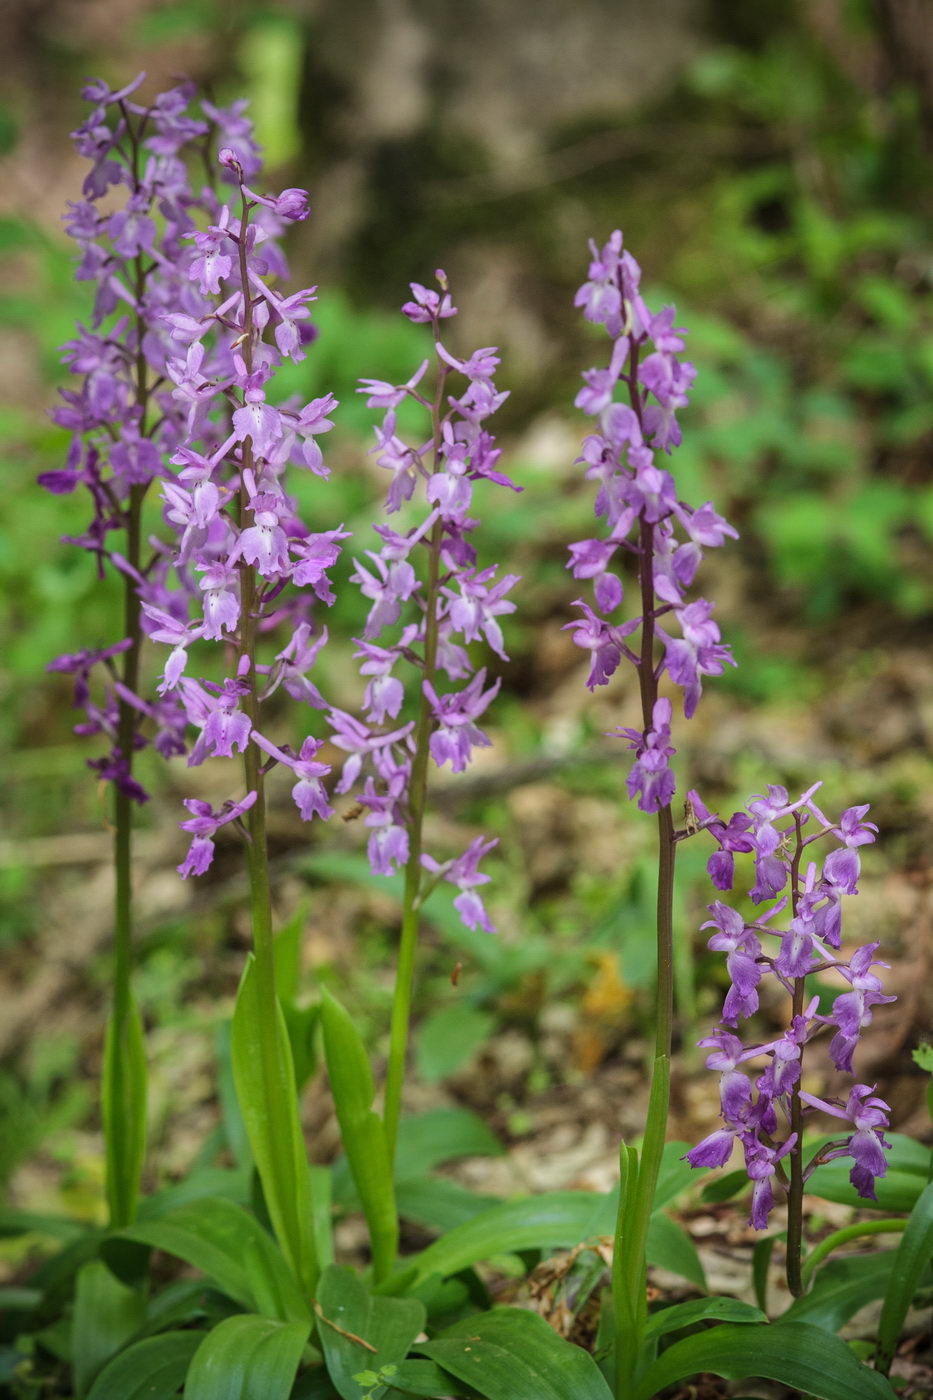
766,1117
249,565
643,517
132,226
423,624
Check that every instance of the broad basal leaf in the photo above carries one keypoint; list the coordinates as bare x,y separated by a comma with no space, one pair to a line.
247,1358
804,1358
150,1370
265,1084
360,1332
512,1354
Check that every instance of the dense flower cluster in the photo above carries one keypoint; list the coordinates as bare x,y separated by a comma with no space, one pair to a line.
129,415
759,1112
239,542
638,504
424,623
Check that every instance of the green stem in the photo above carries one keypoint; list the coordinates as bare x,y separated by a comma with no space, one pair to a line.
849,1232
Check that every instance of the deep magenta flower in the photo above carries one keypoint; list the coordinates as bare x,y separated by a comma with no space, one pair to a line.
776,831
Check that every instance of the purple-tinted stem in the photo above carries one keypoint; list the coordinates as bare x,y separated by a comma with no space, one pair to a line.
417,801
795,1189
122,1203
648,686
256,848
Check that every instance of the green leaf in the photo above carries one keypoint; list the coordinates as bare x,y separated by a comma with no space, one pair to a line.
388,1325
675,1176
234,1129
700,1310
841,1288
897,1191
185,1301
910,1263
448,1039
301,1022
425,1142
106,1314
439,1204
265,1083
442,1135
245,1357
670,1247
723,1188
321,1199
150,1370
424,1378
553,1220
28,1222
230,1246
761,1262
512,1354
123,1110
213,1183
286,947
799,1356
361,1129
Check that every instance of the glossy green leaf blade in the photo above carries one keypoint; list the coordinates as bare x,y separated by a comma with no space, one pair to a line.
123,1111
265,1084
424,1142
553,1220
245,1358
439,1203
425,1378
841,1288
675,1176
670,1247
700,1310
804,1358
150,1370
910,1263
512,1354
230,1246
286,948
898,1190
442,1135
723,1188
106,1314
322,1220
761,1263
361,1129
388,1325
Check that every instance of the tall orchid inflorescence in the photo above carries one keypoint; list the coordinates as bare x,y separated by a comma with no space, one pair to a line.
638,503
133,226
249,571
766,1116
637,498
421,624
668,634
247,563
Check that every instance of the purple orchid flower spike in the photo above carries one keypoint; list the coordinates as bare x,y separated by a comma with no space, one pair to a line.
766,1118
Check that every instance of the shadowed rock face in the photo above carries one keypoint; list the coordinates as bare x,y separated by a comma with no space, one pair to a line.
438,129
504,72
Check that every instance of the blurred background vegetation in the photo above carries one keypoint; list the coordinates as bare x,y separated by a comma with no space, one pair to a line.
771,166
